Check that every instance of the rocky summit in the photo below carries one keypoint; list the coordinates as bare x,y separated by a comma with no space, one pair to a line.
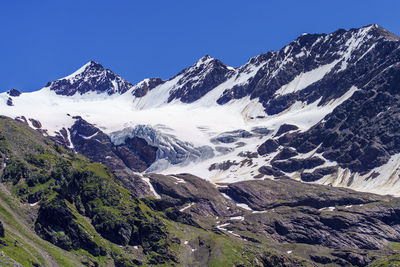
292,159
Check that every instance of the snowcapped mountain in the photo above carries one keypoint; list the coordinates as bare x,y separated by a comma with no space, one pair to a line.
91,77
323,109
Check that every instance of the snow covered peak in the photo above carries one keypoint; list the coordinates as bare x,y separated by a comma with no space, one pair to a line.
91,77
197,80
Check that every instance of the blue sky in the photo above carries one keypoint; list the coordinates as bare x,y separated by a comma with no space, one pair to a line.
42,41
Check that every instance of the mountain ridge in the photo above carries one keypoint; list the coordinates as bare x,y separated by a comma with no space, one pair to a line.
213,118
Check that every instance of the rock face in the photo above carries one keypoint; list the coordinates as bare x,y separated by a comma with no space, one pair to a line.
267,194
347,222
199,79
92,77
35,123
193,194
14,92
142,88
10,102
286,128
135,155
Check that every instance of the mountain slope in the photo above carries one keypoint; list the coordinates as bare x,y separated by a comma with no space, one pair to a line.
88,218
78,205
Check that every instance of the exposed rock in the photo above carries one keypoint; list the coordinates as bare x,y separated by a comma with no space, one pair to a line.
285,153
22,119
199,79
142,88
287,138
35,123
92,77
285,128
10,102
268,170
345,221
294,164
267,194
223,165
268,147
317,174
1,229
13,92
137,154
61,138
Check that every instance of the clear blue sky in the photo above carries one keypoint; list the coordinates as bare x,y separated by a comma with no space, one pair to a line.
45,40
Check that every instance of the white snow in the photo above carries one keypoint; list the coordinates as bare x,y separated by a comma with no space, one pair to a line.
386,182
242,205
303,80
260,211
221,227
328,209
179,180
147,181
79,71
187,207
33,204
240,218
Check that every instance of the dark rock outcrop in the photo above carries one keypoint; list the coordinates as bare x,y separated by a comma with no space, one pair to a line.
190,88
10,102
92,77
35,123
284,128
96,145
136,153
267,147
13,92
346,222
268,170
317,174
294,164
142,88
1,229
267,194
285,154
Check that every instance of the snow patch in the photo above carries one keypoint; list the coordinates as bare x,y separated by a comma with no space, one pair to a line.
305,79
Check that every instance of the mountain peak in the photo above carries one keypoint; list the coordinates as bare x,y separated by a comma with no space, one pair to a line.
90,77
379,31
